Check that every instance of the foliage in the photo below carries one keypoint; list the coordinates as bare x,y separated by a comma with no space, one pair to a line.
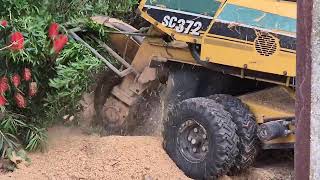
75,68
68,10
61,78
12,130
23,125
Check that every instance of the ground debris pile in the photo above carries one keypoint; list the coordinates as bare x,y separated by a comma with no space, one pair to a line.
74,155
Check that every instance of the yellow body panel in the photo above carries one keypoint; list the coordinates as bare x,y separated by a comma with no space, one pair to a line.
261,112
271,6
159,50
235,52
243,55
274,103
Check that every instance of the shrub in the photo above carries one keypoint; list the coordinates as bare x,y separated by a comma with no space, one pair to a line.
43,72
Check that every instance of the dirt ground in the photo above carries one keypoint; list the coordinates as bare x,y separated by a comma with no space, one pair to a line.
74,155
79,153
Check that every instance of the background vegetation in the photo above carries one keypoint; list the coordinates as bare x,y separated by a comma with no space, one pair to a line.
61,78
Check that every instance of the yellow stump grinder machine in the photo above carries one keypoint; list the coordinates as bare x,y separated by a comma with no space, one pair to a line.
229,67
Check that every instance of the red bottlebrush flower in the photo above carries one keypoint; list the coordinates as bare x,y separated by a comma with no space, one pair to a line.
53,30
33,89
26,74
3,85
17,41
4,79
16,80
59,43
3,100
4,23
20,100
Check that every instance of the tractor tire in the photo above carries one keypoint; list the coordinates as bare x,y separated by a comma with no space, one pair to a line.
247,131
201,138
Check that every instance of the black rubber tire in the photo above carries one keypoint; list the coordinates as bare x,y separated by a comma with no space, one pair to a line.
221,131
247,131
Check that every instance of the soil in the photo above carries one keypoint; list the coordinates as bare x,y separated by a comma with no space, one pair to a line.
75,155
82,153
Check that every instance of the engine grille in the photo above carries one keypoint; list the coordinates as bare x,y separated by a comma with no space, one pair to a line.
266,44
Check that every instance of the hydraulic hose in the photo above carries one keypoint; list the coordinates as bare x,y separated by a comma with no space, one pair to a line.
196,56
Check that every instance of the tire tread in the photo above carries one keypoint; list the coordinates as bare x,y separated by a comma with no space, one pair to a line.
246,130
220,122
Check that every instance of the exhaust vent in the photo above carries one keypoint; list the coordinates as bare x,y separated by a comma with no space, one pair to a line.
266,44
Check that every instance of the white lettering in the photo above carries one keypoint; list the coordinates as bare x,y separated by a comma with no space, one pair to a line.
165,21
182,25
